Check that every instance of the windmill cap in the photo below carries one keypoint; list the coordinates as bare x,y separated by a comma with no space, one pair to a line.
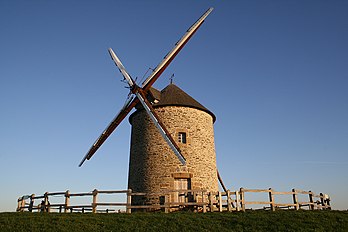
172,95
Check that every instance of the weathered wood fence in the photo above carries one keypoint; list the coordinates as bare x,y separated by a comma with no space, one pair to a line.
28,202
173,200
313,202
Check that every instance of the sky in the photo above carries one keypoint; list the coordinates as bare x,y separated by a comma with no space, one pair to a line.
275,74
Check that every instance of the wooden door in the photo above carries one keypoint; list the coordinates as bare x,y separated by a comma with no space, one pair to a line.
181,184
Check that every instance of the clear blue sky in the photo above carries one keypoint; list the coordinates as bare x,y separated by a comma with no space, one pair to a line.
275,73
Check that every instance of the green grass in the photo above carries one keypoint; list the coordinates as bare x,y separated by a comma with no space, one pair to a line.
284,220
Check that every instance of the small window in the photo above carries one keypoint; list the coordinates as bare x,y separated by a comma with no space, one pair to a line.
182,137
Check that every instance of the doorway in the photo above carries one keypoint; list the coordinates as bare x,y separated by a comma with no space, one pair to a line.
183,184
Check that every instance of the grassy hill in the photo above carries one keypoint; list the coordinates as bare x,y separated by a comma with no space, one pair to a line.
284,220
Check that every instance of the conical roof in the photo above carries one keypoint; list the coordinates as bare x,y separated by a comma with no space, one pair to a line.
172,95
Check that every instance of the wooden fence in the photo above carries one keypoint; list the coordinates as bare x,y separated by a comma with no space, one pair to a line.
313,202
173,200
28,202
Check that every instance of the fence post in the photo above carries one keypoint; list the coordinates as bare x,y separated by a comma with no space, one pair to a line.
129,201
18,204
211,203
21,204
47,207
327,202
166,203
295,199
229,205
67,201
237,201
31,204
203,201
94,204
220,202
242,196
322,201
271,199
311,204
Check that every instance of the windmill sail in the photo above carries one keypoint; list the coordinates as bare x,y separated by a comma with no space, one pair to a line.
121,68
111,127
171,55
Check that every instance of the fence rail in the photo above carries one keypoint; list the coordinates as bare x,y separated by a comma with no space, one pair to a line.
173,200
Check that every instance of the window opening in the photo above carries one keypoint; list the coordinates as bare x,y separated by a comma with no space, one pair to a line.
182,137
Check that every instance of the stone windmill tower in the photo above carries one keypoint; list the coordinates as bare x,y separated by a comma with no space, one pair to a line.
152,166
172,143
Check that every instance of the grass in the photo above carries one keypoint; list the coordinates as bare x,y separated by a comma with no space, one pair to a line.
283,220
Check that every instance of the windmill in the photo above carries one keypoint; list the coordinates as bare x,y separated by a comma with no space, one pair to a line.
142,94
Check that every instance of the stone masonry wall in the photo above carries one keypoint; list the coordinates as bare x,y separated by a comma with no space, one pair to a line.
153,165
